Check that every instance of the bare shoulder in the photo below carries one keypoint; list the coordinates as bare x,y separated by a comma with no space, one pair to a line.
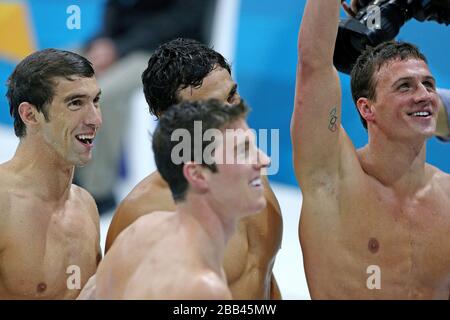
87,210
439,178
5,201
6,178
6,184
148,228
150,195
147,232
183,285
208,286
201,285
156,219
85,200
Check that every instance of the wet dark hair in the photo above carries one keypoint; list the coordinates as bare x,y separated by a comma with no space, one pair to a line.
33,80
213,114
176,65
363,82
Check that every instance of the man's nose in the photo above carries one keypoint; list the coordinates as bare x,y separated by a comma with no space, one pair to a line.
423,93
94,117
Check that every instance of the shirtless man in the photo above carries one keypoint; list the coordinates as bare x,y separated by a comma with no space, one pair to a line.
49,228
185,70
179,255
375,222
443,121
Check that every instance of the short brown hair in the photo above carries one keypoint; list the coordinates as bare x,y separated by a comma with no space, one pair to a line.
363,83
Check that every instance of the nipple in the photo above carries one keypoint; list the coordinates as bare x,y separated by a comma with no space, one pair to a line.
41,287
373,245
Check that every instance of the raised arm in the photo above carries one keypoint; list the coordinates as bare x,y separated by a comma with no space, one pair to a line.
315,125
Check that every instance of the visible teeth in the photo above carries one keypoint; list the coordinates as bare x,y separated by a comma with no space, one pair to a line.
256,182
85,136
421,114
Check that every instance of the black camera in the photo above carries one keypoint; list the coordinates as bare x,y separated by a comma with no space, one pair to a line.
380,20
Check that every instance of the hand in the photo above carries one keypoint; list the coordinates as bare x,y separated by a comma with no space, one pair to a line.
102,53
351,9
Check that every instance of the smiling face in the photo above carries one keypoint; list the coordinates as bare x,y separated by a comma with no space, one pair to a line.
237,182
218,84
406,101
74,117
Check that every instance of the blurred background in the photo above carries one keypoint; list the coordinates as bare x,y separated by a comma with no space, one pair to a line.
259,39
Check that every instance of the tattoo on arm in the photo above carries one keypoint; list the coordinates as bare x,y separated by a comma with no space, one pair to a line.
332,124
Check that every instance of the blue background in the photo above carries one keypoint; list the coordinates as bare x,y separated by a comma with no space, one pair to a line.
264,64
48,23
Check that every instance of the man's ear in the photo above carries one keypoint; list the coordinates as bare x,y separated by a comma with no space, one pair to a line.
365,109
195,176
29,114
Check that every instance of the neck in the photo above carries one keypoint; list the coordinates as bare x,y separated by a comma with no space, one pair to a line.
396,164
217,231
42,170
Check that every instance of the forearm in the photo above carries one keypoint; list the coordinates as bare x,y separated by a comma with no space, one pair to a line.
315,123
318,32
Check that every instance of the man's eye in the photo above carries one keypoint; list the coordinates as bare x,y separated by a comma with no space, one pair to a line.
234,98
403,86
429,84
75,103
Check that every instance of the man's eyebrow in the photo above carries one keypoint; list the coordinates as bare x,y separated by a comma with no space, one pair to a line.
75,96
430,78
80,96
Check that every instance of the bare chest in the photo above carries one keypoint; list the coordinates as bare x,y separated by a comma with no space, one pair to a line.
48,252
403,241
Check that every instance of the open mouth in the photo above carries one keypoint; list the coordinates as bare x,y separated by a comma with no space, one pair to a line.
256,182
85,139
421,114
